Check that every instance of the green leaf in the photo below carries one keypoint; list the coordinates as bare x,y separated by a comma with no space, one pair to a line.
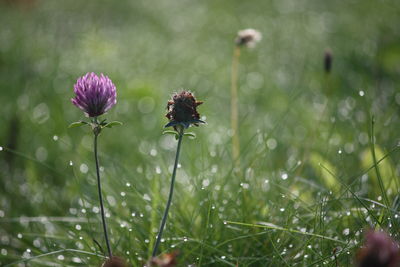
112,124
190,134
176,134
170,132
77,124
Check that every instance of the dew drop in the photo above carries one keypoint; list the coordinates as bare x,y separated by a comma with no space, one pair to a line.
4,252
83,168
158,170
346,231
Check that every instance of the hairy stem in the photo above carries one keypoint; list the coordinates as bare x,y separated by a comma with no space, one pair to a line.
171,191
100,194
234,107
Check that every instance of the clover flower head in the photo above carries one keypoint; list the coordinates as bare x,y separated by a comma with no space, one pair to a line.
182,110
95,95
248,37
379,250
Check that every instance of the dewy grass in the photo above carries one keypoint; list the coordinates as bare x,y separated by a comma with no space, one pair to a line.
285,90
95,95
182,113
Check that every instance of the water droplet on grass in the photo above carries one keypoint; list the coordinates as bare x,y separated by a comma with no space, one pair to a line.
158,170
83,168
245,185
346,231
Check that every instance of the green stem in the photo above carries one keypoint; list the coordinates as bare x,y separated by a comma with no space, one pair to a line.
171,191
234,108
100,194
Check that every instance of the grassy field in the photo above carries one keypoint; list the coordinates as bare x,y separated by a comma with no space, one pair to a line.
319,158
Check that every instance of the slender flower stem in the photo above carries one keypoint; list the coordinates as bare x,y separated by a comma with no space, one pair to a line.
171,191
234,107
100,194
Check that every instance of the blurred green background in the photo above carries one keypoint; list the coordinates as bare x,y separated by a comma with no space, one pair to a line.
306,161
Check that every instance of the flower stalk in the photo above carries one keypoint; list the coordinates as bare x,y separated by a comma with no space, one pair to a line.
171,192
234,107
96,132
247,38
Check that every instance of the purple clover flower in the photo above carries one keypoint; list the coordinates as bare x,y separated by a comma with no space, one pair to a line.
95,95
379,250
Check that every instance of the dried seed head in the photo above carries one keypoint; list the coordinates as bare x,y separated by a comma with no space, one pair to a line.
328,60
248,37
165,260
379,251
182,110
114,262
95,95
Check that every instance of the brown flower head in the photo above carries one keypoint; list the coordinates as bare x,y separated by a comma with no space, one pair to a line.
165,260
379,251
328,60
182,110
248,37
114,262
